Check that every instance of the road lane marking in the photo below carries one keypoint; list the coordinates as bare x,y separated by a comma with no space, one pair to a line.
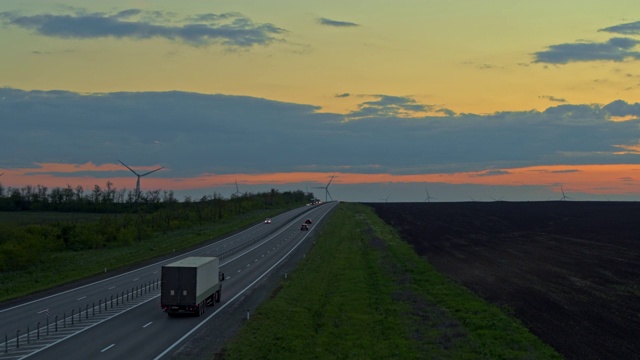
111,288
230,301
43,311
108,347
80,298
136,279
147,324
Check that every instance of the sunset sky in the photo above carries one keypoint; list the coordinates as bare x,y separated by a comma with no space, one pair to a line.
398,101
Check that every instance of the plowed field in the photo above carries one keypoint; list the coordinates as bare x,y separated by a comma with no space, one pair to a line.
570,271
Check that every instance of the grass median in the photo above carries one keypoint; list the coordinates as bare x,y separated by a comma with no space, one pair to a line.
363,293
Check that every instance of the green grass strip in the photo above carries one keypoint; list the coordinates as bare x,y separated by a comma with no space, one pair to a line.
363,293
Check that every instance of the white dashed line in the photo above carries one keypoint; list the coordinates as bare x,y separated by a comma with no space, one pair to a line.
108,347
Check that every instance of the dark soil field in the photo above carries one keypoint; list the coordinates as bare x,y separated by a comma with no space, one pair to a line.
570,271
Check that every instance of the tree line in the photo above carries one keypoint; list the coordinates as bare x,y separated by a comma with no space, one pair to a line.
120,217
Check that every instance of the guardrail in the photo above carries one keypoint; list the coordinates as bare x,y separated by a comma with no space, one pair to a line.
44,331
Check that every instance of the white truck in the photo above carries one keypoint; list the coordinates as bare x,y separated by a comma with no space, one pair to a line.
190,285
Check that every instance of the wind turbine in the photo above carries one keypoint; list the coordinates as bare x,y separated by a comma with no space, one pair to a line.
564,197
139,176
237,193
326,189
428,198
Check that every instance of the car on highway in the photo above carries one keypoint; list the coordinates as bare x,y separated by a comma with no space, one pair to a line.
267,221
304,227
308,221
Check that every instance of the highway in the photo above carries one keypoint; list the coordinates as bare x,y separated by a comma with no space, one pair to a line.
120,317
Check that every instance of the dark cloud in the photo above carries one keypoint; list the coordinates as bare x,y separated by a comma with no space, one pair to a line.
553,98
493,173
615,49
335,23
343,95
632,28
192,134
231,29
389,106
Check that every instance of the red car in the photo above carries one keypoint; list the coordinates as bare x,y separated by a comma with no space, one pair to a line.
308,221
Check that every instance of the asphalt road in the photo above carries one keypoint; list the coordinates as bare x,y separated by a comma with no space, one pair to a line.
120,316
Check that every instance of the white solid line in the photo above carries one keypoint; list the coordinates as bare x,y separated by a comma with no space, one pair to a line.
230,301
136,279
45,310
111,288
80,298
108,347
147,324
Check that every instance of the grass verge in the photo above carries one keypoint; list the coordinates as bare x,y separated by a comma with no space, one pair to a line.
363,293
67,266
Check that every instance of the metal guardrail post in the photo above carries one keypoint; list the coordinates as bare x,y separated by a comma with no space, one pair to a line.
38,332
72,313
28,335
56,323
18,339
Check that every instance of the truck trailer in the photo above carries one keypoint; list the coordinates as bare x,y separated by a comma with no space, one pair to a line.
190,285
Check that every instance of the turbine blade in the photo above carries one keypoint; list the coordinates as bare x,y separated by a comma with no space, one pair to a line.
133,171
152,171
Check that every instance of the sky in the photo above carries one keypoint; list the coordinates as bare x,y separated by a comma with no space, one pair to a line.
411,100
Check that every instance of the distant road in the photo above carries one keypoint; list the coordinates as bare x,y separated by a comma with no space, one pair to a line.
120,317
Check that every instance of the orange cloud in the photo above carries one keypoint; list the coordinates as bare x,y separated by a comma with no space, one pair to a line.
595,179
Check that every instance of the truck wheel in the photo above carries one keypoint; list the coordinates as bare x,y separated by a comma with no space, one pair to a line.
218,295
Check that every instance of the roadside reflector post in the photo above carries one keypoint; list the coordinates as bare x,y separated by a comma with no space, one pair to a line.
56,323
73,311
6,343
38,332
248,314
285,275
86,311
28,335
18,339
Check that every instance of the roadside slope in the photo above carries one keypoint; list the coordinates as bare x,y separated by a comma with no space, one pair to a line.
362,292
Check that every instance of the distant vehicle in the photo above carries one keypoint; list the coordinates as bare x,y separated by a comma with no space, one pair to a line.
308,221
304,227
267,221
190,285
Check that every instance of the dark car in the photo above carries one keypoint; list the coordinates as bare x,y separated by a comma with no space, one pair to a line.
304,227
308,221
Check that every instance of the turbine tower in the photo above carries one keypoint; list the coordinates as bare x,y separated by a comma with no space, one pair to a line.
139,176
564,197
326,189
